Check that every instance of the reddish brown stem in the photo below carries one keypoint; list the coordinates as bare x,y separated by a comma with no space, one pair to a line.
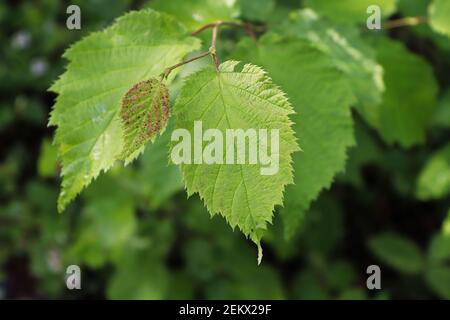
213,49
244,26
166,72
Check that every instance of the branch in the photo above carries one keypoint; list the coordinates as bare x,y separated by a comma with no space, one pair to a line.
166,72
409,21
213,50
250,29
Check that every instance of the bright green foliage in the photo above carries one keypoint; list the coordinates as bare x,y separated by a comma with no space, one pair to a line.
103,66
349,53
350,10
434,179
144,115
237,97
439,13
322,100
256,10
410,95
398,252
195,13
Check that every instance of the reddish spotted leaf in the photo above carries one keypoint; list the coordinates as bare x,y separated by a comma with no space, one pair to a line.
144,114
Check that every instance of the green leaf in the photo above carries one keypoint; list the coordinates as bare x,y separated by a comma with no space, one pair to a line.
446,225
410,95
439,15
102,67
438,278
322,100
441,115
144,115
434,179
439,250
237,97
419,8
350,11
343,44
196,13
398,252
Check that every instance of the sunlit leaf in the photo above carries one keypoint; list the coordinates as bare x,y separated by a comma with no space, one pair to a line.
102,67
237,97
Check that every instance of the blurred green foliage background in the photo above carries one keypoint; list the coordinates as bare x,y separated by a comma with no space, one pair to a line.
136,235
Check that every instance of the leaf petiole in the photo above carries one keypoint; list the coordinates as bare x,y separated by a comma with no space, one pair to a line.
166,72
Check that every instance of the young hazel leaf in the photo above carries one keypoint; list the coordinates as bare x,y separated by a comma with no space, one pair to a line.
144,114
237,97
102,67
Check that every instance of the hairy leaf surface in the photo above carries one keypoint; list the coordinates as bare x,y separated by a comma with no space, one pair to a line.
144,114
237,97
102,67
